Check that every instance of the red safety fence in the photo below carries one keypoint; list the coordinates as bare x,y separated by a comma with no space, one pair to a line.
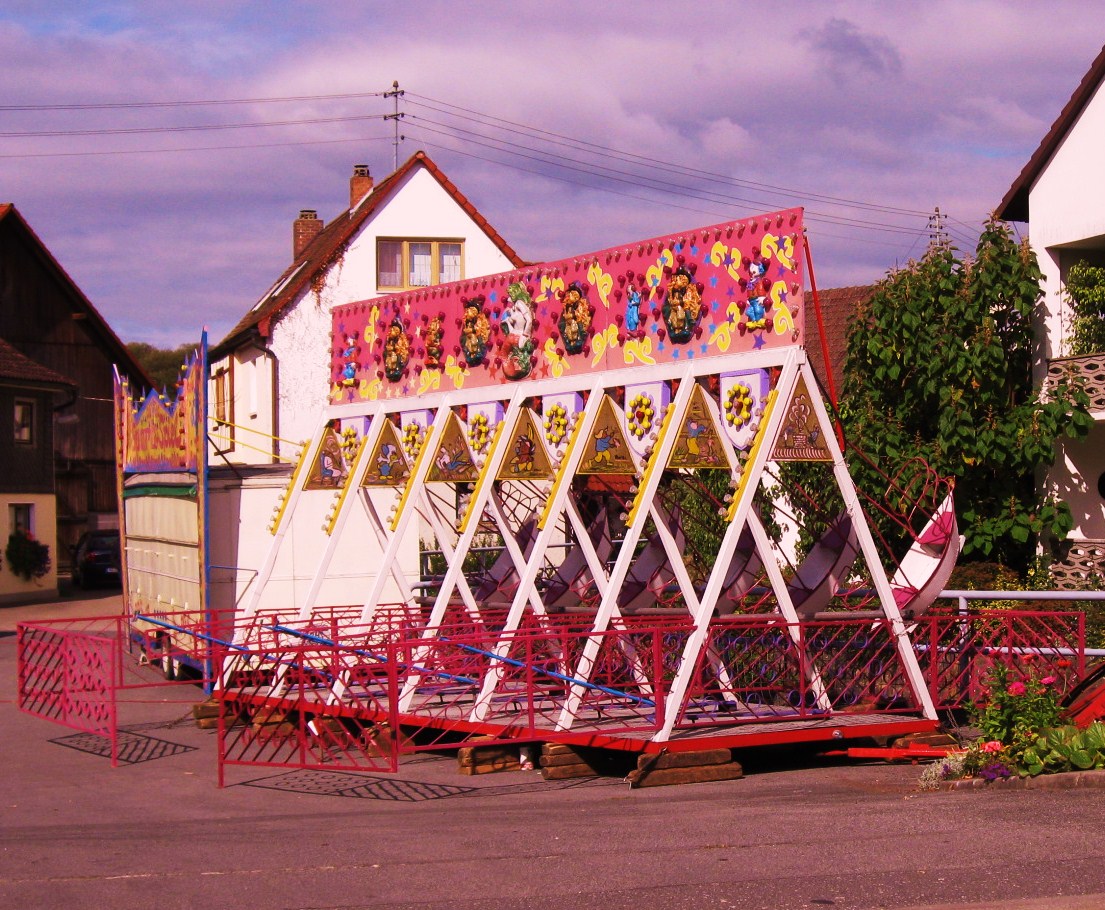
72,671
332,692
312,704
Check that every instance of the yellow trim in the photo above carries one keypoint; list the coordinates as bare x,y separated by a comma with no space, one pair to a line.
482,481
345,486
753,452
650,465
238,426
246,445
289,488
410,481
581,418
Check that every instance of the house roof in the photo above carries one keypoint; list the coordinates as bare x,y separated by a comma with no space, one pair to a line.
838,308
1014,207
18,369
93,322
323,249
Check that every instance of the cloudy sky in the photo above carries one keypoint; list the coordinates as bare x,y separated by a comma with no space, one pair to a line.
572,126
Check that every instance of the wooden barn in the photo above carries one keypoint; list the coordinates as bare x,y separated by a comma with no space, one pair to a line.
46,317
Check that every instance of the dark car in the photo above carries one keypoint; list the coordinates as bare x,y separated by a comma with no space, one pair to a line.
96,559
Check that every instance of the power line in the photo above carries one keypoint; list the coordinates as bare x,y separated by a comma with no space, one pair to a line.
575,142
205,127
636,179
194,148
652,201
133,105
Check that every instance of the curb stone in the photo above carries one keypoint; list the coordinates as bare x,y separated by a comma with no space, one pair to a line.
1067,780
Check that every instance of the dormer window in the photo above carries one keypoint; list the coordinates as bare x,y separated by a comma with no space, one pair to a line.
403,264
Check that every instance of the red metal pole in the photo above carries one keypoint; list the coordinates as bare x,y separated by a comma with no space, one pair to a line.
824,342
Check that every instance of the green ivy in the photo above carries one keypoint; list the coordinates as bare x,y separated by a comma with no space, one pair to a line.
1086,290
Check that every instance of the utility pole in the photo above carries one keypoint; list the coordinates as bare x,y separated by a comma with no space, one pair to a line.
397,94
936,226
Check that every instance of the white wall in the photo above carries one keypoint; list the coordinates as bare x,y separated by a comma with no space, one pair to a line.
418,207
240,543
1067,210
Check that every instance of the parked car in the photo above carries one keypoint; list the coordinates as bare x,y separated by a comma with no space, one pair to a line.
96,559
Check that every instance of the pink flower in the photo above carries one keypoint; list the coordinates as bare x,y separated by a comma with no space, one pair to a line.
1049,680
992,746
1016,688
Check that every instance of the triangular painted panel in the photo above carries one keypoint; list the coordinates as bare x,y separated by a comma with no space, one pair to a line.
699,444
329,468
801,437
606,450
453,462
526,455
387,466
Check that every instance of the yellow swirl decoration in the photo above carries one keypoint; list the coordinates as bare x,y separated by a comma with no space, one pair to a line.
370,328
429,381
549,287
723,333
639,349
784,254
370,389
557,364
784,319
607,338
718,253
602,281
456,371
655,273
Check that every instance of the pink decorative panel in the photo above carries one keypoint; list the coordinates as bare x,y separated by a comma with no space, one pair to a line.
718,290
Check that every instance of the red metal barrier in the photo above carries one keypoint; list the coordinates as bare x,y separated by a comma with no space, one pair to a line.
313,704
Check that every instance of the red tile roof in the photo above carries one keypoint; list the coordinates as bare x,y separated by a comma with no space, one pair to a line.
327,246
838,307
1014,207
18,369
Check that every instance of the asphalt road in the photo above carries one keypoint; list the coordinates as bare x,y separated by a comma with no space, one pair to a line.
160,833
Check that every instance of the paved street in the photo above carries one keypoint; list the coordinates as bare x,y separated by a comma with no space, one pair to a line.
159,832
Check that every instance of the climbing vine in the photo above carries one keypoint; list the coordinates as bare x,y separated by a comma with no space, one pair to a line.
1086,290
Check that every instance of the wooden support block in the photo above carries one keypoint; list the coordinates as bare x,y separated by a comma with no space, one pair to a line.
491,767
555,761
207,708
684,759
559,749
666,777
566,772
478,755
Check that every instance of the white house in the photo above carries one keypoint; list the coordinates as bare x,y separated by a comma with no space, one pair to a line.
270,374
1061,193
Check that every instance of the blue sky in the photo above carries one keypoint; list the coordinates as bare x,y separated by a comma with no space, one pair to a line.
868,113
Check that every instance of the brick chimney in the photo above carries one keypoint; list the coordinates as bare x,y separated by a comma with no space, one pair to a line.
305,228
360,184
